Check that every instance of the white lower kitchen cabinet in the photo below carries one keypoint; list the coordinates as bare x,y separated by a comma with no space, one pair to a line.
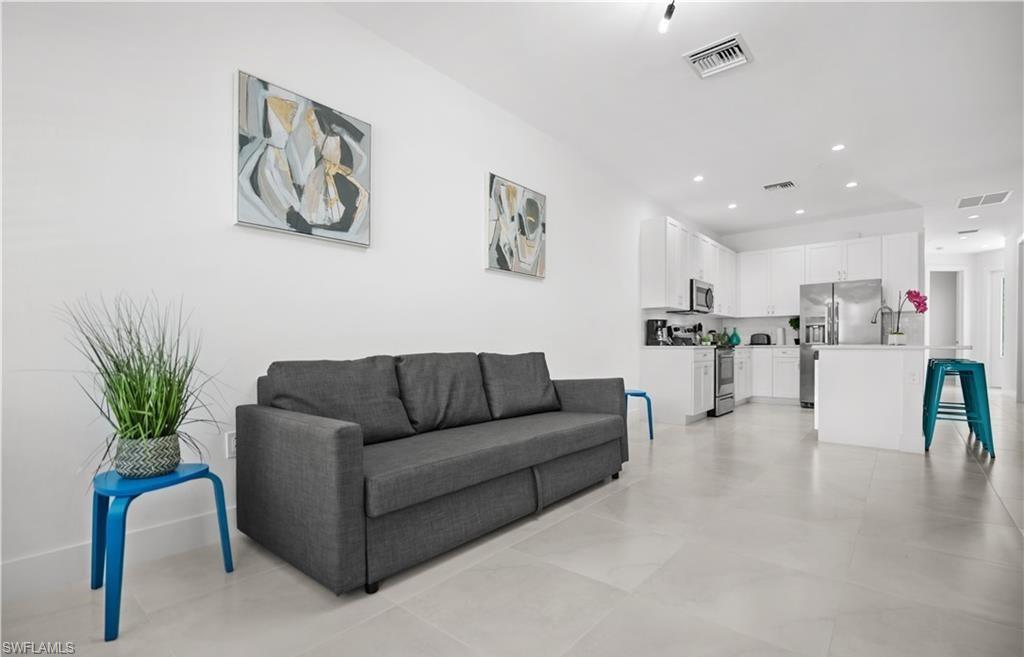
743,375
761,371
680,381
786,373
703,387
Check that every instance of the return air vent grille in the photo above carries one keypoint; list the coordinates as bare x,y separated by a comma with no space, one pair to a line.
967,232
983,199
720,56
779,186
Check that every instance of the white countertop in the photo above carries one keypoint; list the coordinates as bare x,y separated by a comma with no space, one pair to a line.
677,346
886,347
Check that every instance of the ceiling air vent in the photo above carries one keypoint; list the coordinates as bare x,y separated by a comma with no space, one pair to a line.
983,199
967,232
720,56
785,184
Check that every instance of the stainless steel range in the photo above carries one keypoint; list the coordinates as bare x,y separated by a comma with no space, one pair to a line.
725,388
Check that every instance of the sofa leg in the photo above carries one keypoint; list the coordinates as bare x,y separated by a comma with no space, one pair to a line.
372,587
615,476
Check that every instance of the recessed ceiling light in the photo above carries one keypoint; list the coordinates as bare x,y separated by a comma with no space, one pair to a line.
663,23
963,237
698,178
732,206
838,147
800,211
974,216
852,183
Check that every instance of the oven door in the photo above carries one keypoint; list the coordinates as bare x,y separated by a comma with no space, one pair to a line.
702,296
724,381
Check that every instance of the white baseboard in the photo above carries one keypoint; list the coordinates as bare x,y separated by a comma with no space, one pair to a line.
53,570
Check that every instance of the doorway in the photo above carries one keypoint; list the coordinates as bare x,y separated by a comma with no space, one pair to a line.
944,311
996,331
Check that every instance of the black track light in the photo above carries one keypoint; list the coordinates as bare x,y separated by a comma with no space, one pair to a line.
669,10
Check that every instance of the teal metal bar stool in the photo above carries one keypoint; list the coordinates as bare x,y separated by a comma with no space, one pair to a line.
974,410
650,413
112,494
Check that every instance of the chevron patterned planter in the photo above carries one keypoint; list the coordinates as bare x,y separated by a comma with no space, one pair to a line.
151,457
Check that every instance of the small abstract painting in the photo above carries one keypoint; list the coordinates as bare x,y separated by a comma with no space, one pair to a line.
302,166
516,228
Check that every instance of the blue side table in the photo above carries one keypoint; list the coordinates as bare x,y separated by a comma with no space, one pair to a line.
650,415
108,527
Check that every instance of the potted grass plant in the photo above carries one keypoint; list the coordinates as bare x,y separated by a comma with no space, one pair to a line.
145,380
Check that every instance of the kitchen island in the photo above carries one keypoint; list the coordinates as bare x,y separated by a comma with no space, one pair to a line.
870,395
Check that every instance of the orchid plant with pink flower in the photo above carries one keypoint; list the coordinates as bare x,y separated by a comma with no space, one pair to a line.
916,299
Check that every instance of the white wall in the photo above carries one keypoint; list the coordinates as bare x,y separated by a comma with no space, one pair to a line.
119,137
902,221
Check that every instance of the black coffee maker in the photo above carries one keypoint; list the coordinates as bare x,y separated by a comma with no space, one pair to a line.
657,332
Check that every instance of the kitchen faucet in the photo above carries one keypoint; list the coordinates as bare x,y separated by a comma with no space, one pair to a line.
881,309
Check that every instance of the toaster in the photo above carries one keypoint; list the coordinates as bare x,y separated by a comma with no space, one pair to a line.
760,339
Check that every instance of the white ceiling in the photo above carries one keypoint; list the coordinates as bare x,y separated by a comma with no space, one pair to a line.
927,98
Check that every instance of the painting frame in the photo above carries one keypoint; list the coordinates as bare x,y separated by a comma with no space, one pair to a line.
335,155
515,228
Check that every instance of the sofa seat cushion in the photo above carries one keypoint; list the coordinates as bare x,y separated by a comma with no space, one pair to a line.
518,384
442,390
363,391
404,472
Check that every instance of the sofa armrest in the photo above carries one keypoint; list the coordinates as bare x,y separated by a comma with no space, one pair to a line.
596,396
300,492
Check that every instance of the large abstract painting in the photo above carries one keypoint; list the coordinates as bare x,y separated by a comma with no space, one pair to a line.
302,167
516,228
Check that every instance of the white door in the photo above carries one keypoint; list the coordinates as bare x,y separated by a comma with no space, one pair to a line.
786,378
863,258
944,311
675,241
824,262
995,366
787,275
761,371
754,286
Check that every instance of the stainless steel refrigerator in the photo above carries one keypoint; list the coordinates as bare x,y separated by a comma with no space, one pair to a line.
835,313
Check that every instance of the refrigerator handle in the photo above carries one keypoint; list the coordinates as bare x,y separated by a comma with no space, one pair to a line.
828,323
835,323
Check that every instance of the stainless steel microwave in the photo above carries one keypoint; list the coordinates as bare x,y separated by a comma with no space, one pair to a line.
702,296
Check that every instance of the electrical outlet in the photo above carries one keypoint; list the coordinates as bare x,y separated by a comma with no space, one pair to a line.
229,444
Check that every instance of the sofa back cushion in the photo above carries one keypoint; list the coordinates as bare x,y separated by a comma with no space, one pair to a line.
363,391
442,390
518,384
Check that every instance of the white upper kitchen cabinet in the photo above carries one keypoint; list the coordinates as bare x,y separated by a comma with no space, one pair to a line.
901,265
787,275
663,251
707,260
848,260
725,283
754,283
863,258
824,262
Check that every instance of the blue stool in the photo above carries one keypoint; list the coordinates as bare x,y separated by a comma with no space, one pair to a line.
974,410
108,529
650,413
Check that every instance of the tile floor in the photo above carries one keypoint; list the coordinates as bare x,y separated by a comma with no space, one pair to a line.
734,536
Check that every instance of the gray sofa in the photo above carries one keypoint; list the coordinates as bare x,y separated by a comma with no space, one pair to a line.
352,471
